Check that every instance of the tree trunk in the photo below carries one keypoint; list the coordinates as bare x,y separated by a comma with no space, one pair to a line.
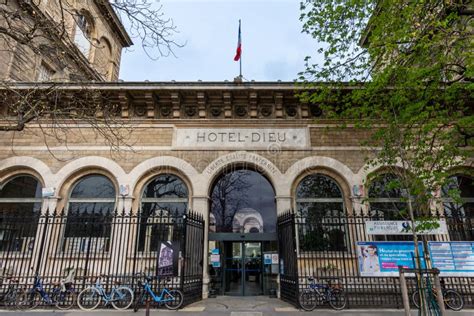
419,279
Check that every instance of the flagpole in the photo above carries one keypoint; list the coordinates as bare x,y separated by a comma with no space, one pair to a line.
240,60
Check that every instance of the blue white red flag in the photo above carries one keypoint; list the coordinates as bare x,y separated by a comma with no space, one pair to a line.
238,53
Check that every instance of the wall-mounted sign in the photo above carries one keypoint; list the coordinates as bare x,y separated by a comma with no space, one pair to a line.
274,258
216,260
215,251
47,192
241,138
401,228
455,258
382,258
124,190
358,190
267,258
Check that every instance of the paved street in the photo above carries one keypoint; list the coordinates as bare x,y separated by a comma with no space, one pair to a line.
232,306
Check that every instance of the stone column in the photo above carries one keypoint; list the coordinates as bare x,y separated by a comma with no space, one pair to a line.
201,205
283,203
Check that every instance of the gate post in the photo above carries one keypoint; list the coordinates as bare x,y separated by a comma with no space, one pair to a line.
201,206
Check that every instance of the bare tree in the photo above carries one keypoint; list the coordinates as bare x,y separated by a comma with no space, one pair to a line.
37,37
228,196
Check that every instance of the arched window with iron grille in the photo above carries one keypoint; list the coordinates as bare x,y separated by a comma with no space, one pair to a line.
20,208
90,211
320,206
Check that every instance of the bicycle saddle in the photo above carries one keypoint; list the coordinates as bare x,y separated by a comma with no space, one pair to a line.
56,283
310,279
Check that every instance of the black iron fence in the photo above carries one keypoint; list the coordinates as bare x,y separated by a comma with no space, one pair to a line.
325,248
118,246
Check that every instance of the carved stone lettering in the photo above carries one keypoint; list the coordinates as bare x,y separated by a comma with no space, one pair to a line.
241,138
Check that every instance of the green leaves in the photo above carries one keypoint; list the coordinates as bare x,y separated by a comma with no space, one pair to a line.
403,70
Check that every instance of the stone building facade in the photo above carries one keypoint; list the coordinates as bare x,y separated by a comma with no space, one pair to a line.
77,40
285,154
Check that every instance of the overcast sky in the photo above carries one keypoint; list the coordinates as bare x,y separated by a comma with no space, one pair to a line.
273,45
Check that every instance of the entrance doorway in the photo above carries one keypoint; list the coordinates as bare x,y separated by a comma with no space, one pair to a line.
242,234
243,268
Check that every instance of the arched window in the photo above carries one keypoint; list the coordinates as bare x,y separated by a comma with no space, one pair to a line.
459,211
164,202
102,58
83,32
388,202
320,206
89,214
385,199
20,206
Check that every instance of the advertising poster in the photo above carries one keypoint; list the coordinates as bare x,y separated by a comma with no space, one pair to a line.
167,259
382,258
455,258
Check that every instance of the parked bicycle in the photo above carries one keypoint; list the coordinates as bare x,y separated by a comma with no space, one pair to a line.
173,299
452,299
120,297
9,297
63,294
322,293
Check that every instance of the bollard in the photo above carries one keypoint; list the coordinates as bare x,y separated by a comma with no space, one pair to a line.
147,308
439,291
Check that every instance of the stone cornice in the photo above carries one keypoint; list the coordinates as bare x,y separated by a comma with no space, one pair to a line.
114,22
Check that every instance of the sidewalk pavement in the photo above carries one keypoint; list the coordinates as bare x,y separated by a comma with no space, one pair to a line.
232,306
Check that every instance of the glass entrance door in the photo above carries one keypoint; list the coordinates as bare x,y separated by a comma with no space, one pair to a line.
243,268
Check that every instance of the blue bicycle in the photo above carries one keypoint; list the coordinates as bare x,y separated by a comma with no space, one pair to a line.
121,297
63,295
173,299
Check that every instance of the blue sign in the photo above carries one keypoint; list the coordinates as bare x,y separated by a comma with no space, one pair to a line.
267,258
455,258
215,251
382,258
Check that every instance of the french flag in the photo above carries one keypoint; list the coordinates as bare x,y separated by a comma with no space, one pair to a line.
238,53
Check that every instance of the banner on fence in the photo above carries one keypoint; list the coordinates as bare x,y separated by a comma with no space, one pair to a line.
454,258
382,258
401,228
168,258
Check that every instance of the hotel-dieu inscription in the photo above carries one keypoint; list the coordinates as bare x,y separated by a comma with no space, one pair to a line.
241,138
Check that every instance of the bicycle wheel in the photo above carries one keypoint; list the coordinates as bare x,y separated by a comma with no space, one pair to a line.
337,299
28,300
122,298
140,299
174,299
89,299
453,300
415,297
307,300
10,298
64,299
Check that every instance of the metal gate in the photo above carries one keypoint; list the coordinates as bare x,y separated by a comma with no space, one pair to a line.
119,246
325,248
288,258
